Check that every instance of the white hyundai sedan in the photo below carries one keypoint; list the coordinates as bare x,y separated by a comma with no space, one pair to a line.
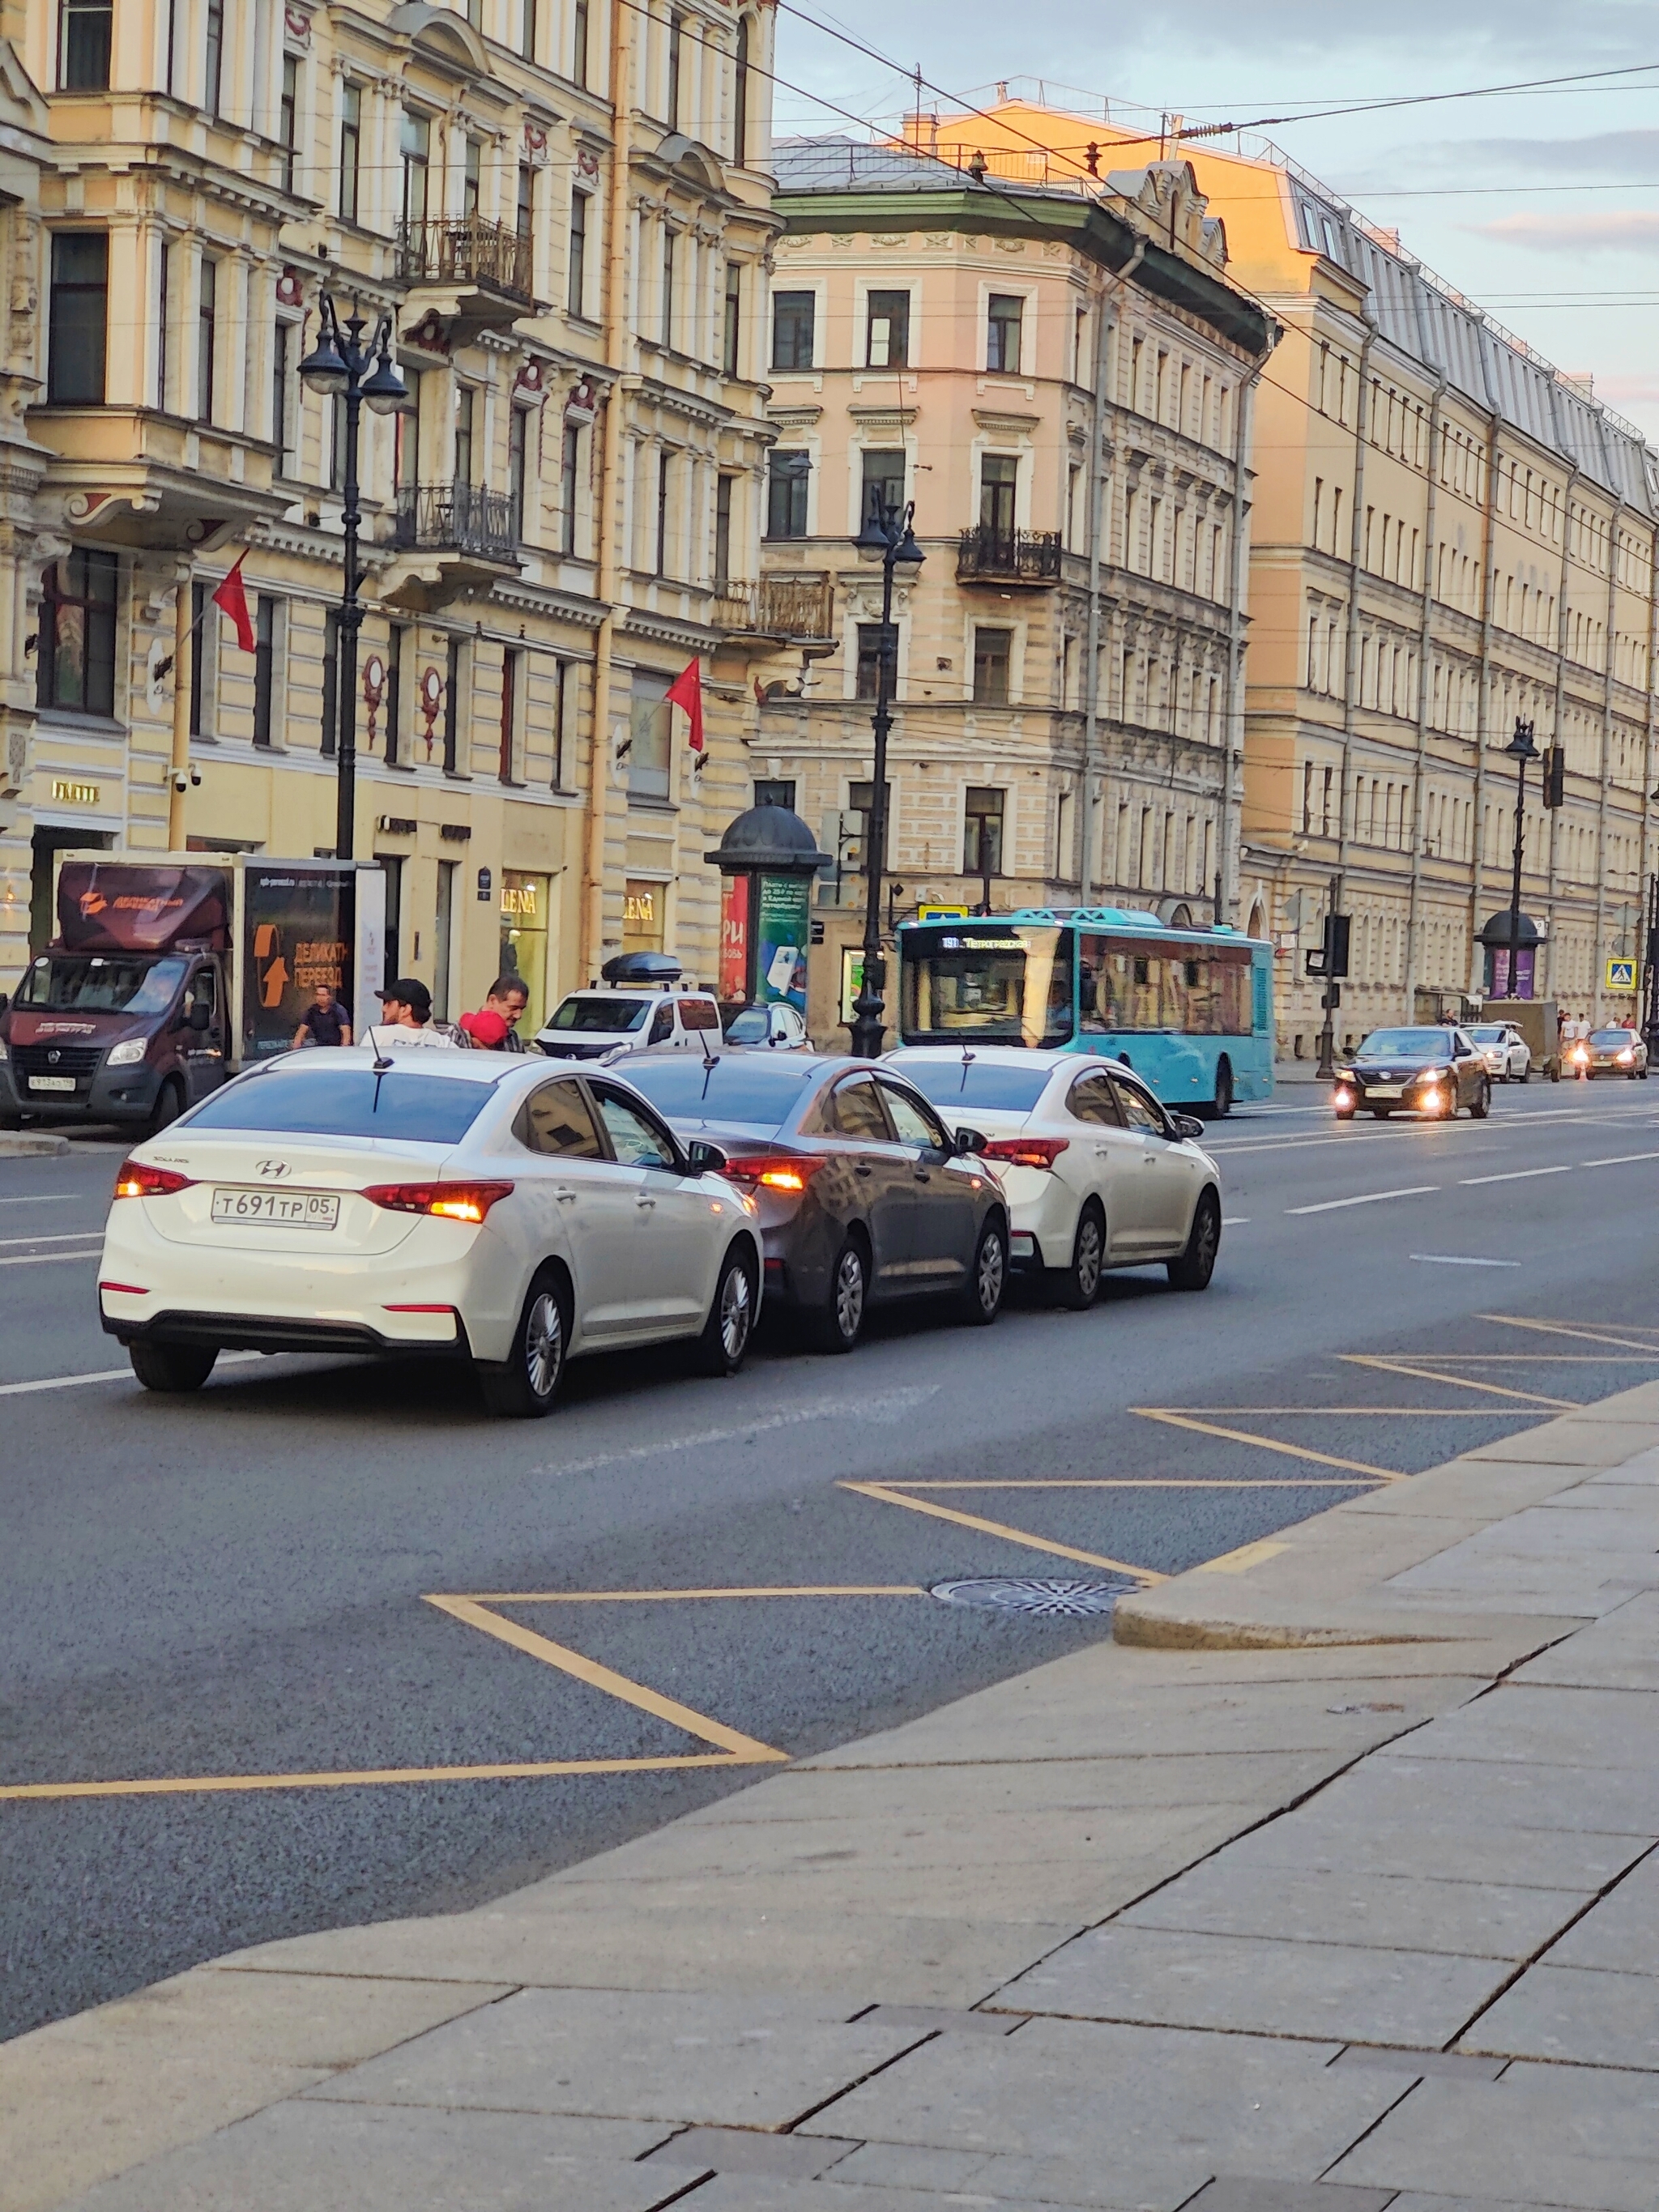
471,1204
1098,1174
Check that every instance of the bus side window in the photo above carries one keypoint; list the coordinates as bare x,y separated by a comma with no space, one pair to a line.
1261,1007
1094,987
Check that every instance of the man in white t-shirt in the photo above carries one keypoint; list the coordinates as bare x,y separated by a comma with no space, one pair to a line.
406,1019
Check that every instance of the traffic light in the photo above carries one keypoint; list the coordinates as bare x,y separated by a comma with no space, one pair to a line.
1332,958
1555,776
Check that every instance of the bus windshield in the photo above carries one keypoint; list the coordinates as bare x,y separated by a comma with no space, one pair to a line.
1008,984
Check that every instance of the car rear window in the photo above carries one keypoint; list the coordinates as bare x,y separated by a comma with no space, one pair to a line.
348,1102
1001,1089
761,1093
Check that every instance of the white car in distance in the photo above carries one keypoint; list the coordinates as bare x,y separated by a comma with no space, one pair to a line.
1097,1173
475,1205
1505,1051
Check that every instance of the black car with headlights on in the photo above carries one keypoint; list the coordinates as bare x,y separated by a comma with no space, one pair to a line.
864,1194
1431,1072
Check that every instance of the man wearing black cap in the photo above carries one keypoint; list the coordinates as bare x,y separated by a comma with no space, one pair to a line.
406,1019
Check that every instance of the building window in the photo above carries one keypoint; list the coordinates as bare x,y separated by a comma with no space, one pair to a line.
887,330
406,432
578,291
471,179
207,300
676,44
670,241
981,829
723,528
79,314
77,650
454,676
528,27
793,317
163,314
466,409
740,102
287,119
203,636
732,328
866,675
526,208
561,702
330,682
391,867
213,74
337,441
570,461
443,937
1002,332
517,460
649,718
884,476
83,40
579,43
397,654
860,798
999,481
282,343
351,146
787,476
776,793
415,144
992,651
662,483
265,663
512,684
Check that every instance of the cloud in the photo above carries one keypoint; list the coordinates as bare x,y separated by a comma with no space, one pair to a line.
1626,157
1629,391
1618,230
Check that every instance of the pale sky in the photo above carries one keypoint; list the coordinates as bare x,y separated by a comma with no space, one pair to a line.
1543,206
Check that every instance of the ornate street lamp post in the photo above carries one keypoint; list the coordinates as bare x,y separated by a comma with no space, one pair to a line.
341,366
1520,750
887,531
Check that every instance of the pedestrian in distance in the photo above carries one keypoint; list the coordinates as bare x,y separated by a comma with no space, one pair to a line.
406,1019
326,1020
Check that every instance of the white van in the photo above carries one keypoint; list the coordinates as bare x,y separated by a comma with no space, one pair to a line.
589,1024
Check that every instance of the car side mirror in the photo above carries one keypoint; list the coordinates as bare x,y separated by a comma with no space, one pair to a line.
970,1141
1187,1125
201,1016
704,1158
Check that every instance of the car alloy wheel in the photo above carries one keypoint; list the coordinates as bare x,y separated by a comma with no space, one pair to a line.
725,1334
524,1386
1080,1284
544,1345
1193,1270
989,1275
737,1314
837,1324
1480,1104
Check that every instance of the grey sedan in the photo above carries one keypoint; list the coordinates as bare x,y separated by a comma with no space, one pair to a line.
864,1194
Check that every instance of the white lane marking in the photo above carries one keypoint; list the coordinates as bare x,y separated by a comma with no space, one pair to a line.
42,1259
62,1236
1369,1198
43,1198
1620,1160
105,1375
1515,1175
889,1405
1235,1220
1453,1260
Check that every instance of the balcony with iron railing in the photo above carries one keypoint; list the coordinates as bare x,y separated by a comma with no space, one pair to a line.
486,266
988,556
457,518
796,610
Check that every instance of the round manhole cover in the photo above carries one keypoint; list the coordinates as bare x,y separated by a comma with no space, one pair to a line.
1046,1597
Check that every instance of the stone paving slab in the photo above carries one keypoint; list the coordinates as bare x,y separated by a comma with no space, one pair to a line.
712,2059
1498,1793
1343,1991
1477,1919
1331,1836
1527,1723
1538,2135
302,2158
1620,1933
1581,2015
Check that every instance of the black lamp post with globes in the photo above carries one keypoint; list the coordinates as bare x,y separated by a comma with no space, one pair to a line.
887,531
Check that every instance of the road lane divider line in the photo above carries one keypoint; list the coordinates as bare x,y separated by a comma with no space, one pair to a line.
1368,1197
658,1596
1620,1160
108,1375
1562,1329
1422,1374
1456,1260
1179,1420
1142,1482
370,1776
1385,1413
742,1748
43,1198
60,1237
886,1496
45,1259
884,1405
1515,1175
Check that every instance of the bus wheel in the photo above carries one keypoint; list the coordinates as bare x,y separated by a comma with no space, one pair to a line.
1222,1104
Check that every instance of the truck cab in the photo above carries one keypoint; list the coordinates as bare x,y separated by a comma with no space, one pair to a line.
113,1036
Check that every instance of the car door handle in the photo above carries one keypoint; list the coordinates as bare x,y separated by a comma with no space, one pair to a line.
863,1169
566,1197
921,1175
644,1201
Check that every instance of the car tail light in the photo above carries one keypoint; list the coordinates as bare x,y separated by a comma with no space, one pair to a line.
1026,1152
452,1202
137,1181
789,1172
126,1290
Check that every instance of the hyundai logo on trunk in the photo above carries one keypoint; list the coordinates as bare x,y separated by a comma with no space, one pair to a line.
273,1167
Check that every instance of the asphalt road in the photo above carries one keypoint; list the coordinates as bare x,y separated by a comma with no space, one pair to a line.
238,1588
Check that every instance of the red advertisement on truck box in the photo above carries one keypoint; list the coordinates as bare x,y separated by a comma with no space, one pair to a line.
122,908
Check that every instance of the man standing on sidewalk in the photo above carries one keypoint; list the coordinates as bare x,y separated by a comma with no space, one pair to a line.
406,1019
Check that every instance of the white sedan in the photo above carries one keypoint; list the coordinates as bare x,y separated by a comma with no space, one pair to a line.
1099,1175
1505,1051
468,1205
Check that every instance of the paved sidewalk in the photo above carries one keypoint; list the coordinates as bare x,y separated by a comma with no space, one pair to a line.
1328,1888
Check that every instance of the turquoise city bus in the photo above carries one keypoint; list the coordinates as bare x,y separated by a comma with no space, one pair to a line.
1190,1010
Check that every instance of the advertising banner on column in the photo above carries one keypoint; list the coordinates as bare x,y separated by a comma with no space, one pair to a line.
297,931
735,941
784,928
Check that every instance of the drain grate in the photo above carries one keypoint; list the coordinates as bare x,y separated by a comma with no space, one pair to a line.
1041,1595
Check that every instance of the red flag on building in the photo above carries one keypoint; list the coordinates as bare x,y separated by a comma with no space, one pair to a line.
230,598
686,690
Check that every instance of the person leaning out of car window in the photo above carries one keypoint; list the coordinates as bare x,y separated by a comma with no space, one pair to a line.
326,1020
406,1019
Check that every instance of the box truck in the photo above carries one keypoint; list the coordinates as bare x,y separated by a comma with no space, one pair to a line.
169,974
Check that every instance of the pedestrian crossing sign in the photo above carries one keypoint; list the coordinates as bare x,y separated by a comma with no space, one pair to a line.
1621,974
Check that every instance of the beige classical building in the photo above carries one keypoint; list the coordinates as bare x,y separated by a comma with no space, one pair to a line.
1449,535
562,206
1057,377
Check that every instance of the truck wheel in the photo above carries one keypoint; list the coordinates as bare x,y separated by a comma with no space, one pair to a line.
169,1105
172,1367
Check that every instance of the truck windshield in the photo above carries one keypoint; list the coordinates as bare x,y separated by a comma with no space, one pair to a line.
607,1017
347,1102
1011,986
101,984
